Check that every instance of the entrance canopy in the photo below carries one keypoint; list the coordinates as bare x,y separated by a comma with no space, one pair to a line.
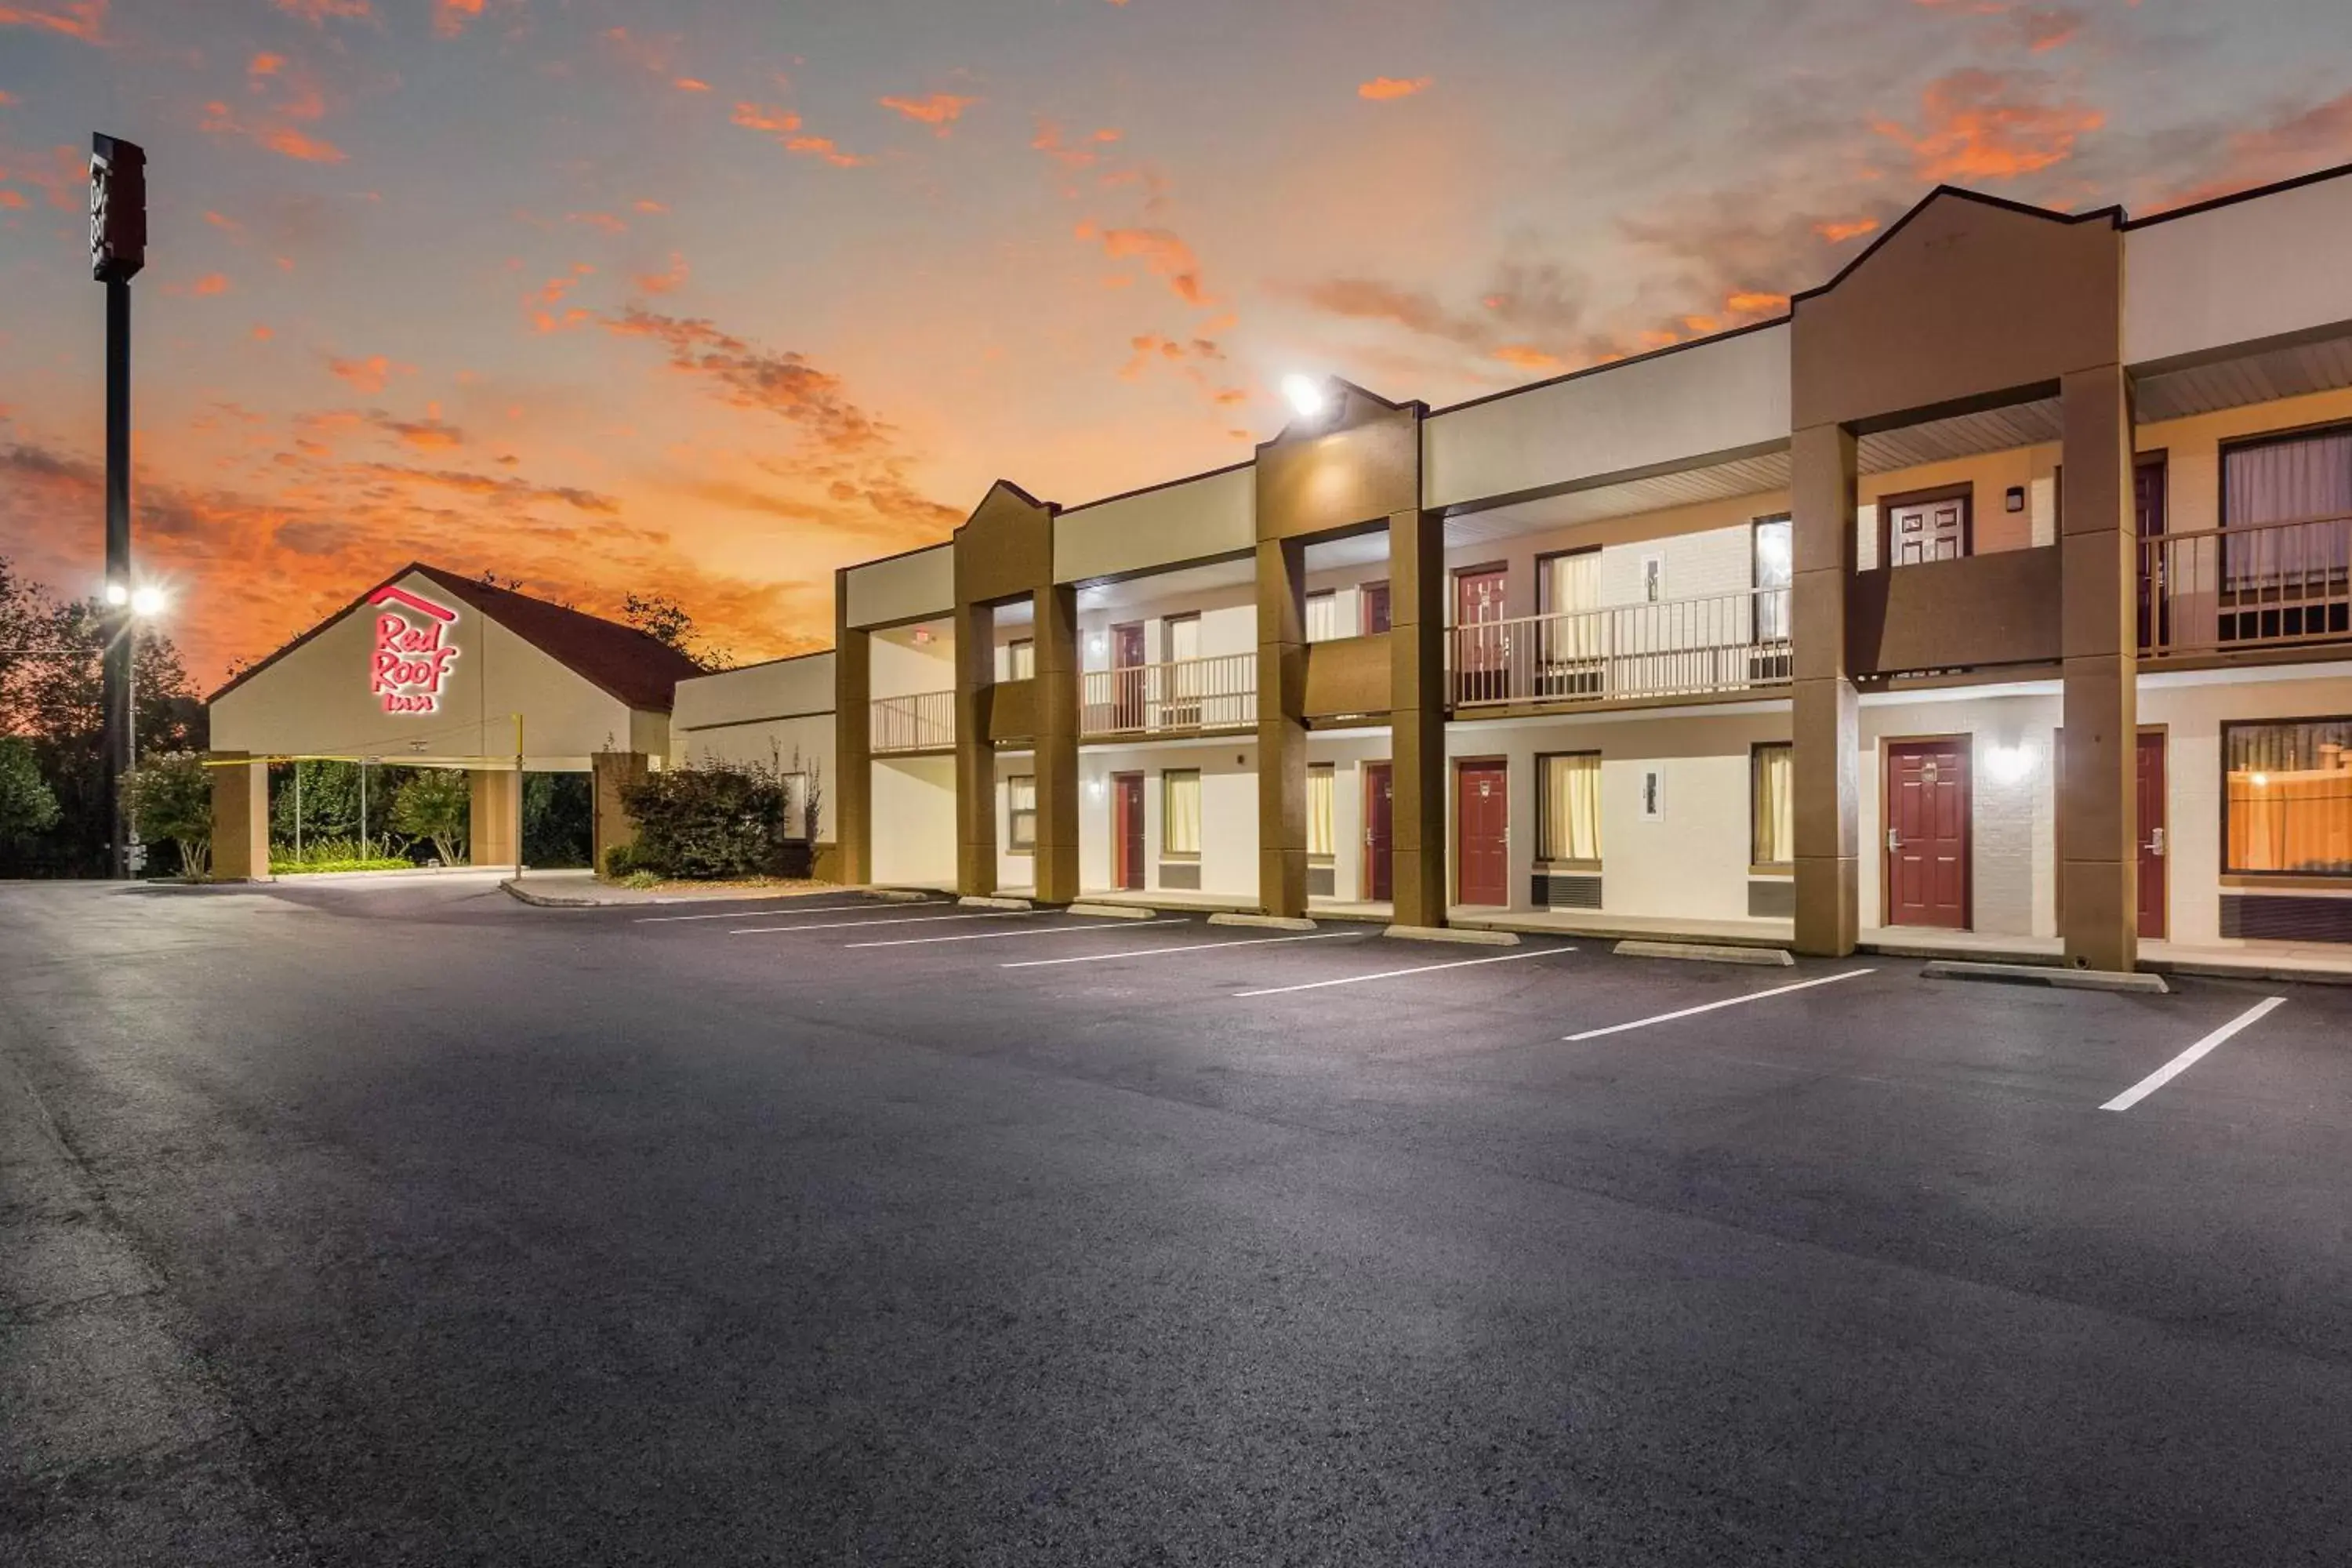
430,668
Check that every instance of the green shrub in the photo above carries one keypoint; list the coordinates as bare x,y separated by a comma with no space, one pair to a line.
27,805
337,854
643,879
435,803
620,860
705,823
169,795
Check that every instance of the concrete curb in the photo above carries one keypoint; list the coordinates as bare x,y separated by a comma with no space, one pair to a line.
895,895
1268,923
1113,911
2049,975
556,900
974,901
1470,935
1707,952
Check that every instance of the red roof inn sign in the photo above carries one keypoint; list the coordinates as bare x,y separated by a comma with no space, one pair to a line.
411,661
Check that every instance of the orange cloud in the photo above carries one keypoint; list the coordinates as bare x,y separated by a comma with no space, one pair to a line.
426,435
647,205
262,334
12,200
753,117
785,127
605,222
1526,356
266,65
941,111
1084,154
665,281
451,16
1752,303
211,283
7,98
1382,89
544,299
284,140
2315,137
316,12
1978,125
369,374
2048,30
1164,255
1838,232
690,84
82,19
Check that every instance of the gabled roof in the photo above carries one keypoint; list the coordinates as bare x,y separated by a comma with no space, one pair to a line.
621,661
2111,215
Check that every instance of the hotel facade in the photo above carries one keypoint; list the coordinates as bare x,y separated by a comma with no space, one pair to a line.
1998,595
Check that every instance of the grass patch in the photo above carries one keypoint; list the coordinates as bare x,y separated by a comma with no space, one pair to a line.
307,866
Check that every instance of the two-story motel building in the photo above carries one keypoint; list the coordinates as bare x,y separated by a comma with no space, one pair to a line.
2001,593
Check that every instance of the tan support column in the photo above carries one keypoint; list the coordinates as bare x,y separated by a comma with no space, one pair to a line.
1825,723
2098,801
614,772
975,771
493,817
852,748
240,819
1417,716
1056,762
1282,726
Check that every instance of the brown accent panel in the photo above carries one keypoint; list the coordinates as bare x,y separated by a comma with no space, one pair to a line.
1349,675
975,771
852,740
614,771
2098,791
827,862
240,819
1966,299
1824,719
1358,465
1951,615
492,816
1006,548
1013,711
1282,726
1056,760
1417,717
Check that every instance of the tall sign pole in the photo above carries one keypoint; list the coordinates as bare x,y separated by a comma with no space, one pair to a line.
118,249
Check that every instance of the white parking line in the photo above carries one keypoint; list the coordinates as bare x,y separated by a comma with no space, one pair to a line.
2188,1057
772,914
1395,973
1192,947
916,921
993,935
1726,1002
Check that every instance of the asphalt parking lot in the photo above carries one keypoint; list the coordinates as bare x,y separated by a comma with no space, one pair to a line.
372,1224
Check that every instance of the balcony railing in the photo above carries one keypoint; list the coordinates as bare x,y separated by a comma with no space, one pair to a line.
924,721
1627,653
2269,586
1160,699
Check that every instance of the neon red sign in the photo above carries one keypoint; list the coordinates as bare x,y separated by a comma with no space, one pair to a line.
410,661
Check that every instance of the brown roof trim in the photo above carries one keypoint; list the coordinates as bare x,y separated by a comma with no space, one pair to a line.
1605,365
2277,186
2114,214
1162,485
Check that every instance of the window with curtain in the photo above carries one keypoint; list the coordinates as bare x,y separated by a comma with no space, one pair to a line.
1021,813
1020,659
1322,615
1774,556
1771,806
1179,811
1183,637
2304,479
1569,831
1565,586
1322,798
2288,805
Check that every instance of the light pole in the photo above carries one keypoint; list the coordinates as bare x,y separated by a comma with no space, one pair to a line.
118,249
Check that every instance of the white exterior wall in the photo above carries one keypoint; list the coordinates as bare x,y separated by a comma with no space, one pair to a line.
1228,625
914,820
1348,751
1193,520
1692,864
903,587
775,713
1707,549
317,701
901,667
1228,811
2238,274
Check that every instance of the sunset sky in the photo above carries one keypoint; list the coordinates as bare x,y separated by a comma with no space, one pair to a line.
710,297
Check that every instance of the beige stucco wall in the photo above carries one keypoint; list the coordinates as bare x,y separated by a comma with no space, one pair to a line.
316,700
774,713
903,666
921,583
1228,811
1193,520
914,820
2240,273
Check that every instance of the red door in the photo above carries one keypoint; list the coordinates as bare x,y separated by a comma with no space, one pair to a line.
1482,816
1481,647
2151,834
1127,831
1380,822
1376,608
1927,833
1127,678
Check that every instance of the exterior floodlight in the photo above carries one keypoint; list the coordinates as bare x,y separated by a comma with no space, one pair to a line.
117,594
146,602
1307,397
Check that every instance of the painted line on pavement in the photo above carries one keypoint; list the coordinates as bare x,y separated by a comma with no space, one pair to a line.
1109,928
1726,1002
764,914
1141,953
2189,1057
919,920
1395,973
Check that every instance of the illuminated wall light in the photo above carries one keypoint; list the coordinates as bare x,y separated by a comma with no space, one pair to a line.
2009,764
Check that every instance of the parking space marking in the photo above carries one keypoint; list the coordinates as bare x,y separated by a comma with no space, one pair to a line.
1395,973
1192,947
916,921
991,935
767,914
2189,1057
1726,1002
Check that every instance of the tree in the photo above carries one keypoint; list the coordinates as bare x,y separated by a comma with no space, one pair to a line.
170,796
27,803
435,803
668,623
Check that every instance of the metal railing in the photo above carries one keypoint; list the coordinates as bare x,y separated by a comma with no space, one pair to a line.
1626,653
2268,584
924,721
1158,699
